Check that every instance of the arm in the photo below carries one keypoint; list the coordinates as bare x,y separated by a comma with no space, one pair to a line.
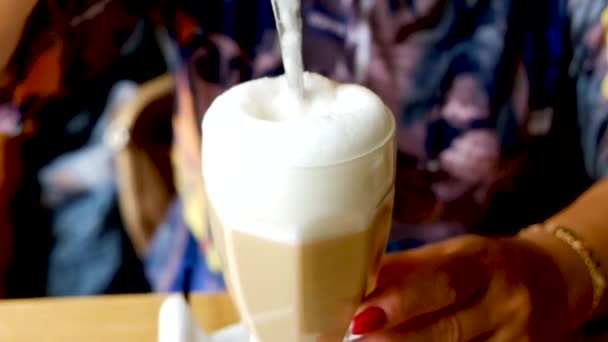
588,218
533,287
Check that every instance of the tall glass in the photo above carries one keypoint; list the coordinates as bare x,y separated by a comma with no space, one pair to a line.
303,245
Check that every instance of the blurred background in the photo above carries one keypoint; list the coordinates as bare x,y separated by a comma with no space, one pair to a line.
501,111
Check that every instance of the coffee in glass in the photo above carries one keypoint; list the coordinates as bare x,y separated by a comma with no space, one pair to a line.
300,193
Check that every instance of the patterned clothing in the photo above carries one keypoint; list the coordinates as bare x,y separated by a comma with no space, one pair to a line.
437,64
477,87
589,69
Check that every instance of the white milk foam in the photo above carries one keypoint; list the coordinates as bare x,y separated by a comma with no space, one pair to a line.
297,171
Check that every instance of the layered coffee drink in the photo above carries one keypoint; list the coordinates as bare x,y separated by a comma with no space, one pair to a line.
300,193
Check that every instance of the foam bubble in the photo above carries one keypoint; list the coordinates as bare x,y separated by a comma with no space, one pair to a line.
297,171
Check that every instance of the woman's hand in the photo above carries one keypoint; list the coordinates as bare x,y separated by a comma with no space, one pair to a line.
467,289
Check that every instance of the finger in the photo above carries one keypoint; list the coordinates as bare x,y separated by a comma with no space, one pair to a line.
420,293
463,326
423,288
510,336
396,266
515,323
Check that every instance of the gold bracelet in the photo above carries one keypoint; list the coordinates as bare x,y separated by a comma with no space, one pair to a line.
598,278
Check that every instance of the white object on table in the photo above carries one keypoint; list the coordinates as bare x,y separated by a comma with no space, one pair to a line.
176,324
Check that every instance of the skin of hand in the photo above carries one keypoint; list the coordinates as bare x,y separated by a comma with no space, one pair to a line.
470,289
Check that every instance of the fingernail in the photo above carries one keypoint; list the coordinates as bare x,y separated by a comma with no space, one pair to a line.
369,320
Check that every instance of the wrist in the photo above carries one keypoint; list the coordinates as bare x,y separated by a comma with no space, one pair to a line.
573,276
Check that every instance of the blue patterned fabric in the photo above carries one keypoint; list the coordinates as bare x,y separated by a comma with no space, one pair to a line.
478,87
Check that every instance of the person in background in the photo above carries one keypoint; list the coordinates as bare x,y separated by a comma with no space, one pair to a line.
454,72
478,89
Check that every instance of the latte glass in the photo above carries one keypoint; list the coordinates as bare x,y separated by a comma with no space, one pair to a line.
304,246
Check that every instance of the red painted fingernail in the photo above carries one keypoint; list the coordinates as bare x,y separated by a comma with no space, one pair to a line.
369,320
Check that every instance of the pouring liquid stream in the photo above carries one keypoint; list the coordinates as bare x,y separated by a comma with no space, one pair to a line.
288,19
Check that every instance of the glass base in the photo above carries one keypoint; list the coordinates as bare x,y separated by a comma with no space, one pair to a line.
352,337
349,338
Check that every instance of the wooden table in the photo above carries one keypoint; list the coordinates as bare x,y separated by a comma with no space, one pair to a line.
127,318
132,318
